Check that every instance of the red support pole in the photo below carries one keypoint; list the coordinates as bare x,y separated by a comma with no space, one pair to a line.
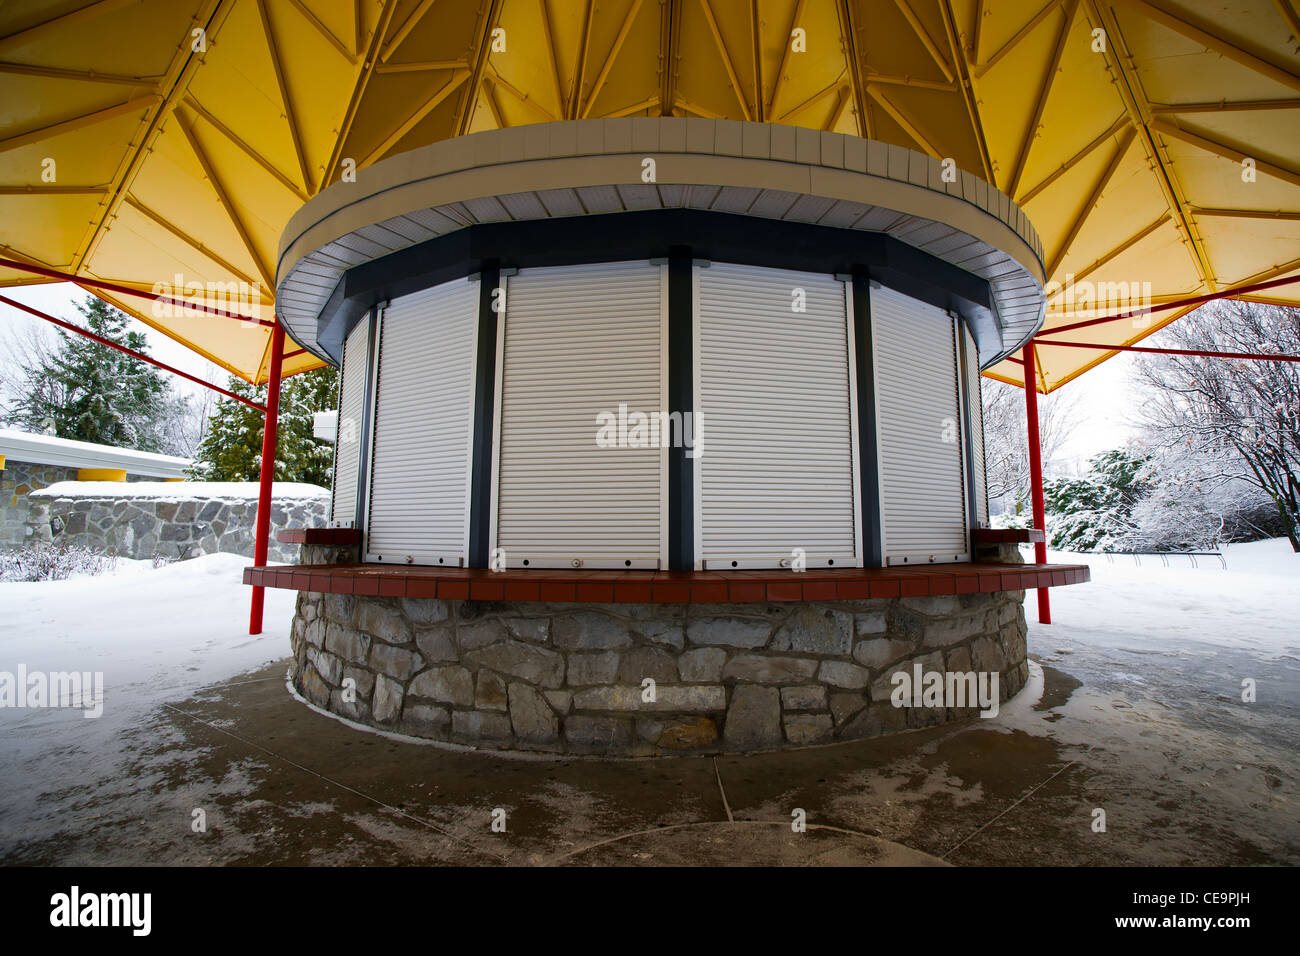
88,283
268,474
126,351
1036,473
1200,353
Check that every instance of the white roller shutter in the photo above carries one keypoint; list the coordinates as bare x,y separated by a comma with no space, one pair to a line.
778,465
347,440
424,409
976,405
922,481
578,341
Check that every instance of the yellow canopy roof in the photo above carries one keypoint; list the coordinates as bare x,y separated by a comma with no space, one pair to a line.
162,142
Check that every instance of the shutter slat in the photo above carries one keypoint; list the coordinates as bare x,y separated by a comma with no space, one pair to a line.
347,440
424,409
922,490
776,470
975,382
579,340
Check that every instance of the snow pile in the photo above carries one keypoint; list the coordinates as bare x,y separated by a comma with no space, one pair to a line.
156,633
179,490
53,564
1253,605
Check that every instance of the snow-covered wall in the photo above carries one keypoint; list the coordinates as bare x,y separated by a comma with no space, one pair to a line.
171,519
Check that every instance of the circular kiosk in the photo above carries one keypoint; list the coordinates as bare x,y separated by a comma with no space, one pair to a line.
658,435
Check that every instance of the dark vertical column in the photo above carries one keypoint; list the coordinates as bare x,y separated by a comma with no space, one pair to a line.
868,465
485,378
968,446
681,399
369,399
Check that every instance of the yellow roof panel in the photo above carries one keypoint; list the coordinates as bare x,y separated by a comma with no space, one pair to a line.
183,134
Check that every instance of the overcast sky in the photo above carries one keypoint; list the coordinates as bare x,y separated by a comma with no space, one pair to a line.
1102,398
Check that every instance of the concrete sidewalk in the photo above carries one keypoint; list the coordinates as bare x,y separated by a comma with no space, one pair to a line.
279,783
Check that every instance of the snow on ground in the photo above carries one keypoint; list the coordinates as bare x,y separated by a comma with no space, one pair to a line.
1254,605
1177,643
180,490
156,633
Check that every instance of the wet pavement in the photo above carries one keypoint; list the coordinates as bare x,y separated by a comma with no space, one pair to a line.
279,783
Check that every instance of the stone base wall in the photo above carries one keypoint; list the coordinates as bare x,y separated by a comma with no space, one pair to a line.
18,480
142,527
570,678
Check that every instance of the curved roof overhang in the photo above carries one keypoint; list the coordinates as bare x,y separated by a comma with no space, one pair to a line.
595,168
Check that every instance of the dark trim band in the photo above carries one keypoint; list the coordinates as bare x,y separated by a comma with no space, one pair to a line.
653,234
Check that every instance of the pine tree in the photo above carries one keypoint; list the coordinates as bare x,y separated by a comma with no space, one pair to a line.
231,449
1095,513
89,392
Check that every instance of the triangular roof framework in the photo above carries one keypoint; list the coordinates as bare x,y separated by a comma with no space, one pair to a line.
183,134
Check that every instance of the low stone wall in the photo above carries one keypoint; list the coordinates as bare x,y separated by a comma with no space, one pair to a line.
185,521
18,480
571,677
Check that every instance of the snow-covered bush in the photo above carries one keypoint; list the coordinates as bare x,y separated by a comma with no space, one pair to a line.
53,564
1095,512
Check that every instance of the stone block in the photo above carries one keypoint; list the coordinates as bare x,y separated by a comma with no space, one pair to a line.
753,719
757,669
435,643
490,691
702,664
807,697
387,704
815,630
729,632
879,718
844,704
383,622
534,629
690,734
451,685
481,633
688,698
480,727
804,729
843,675
425,720
364,681
586,733
313,687
523,661
877,652
641,662
347,643
532,718
424,610
560,700
595,667
396,662
588,630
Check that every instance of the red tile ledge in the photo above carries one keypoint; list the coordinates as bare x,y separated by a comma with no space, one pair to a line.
1007,535
641,587
337,536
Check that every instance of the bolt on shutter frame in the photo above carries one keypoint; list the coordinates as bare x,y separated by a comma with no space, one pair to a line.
347,439
422,427
775,392
923,493
575,341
